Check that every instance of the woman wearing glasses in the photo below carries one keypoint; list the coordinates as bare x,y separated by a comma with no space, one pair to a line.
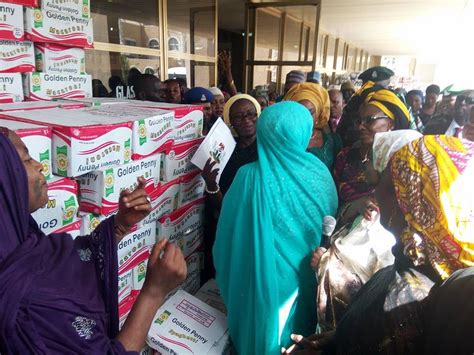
355,178
240,113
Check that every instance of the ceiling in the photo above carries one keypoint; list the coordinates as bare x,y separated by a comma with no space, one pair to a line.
389,27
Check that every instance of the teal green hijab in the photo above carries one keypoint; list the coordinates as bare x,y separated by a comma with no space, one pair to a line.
270,222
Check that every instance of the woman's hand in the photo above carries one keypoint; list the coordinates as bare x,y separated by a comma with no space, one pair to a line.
365,206
166,269
133,206
225,61
311,344
209,175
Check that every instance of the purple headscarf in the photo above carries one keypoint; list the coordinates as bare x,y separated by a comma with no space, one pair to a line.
57,295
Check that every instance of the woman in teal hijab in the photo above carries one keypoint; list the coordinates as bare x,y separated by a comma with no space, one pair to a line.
270,222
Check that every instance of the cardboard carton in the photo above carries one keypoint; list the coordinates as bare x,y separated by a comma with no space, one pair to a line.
152,129
188,119
135,248
183,227
44,86
191,189
210,294
56,59
11,88
37,140
62,207
82,142
11,22
177,162
55,27
37,105
16,57
184,324
80,9
100,190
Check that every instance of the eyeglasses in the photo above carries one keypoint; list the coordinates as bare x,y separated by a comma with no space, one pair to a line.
369,119
249,114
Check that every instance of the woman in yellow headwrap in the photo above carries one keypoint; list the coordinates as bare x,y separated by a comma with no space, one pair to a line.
426,200
323,144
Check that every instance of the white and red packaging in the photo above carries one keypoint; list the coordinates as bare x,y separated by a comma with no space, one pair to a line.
30,3
37,105
76,8
99,101
164,200
90,222
36,138
152,129
17,57
177,161
100,190
126,306
183,227
82,142
44,86
124,285
74,230
55,27
11,88
11,22
191,189
135,247
188,119
62,207
56,59
139,275
186,325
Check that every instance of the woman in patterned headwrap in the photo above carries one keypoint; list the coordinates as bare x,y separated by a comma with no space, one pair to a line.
426,200
323,144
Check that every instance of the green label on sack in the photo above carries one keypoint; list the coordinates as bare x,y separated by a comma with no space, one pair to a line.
127,151
142,132
163,317
70,209
45,160
109,182
36,82
38,18
141,271
85,9
61,160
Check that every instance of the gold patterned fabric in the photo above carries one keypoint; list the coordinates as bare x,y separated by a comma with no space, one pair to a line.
433,179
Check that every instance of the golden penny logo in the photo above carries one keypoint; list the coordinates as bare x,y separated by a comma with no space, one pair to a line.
61,160
38,16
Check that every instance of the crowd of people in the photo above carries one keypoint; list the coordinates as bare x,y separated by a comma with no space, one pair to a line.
394,169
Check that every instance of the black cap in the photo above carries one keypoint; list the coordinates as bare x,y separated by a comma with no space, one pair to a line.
376,74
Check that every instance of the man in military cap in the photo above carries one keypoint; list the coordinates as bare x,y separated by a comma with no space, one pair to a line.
379,75
201,96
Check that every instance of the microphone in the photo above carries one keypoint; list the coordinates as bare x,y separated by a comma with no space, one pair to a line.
329,225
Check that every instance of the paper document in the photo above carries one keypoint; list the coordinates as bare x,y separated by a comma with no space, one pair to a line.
218,145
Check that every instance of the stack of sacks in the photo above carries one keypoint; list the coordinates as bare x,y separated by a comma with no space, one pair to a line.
61,31
16,56
60,213
46,44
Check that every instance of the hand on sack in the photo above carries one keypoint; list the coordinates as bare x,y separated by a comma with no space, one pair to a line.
316,257
164,272
133,206
365,206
